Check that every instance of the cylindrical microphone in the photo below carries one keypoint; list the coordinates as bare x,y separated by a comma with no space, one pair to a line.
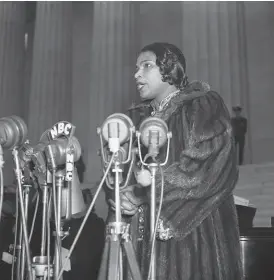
153,134
25,153
13,132
57,149
72,200
116,130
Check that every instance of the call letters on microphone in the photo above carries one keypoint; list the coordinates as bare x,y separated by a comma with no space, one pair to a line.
64,129
60,129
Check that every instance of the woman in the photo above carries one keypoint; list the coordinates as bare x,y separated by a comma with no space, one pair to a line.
197,232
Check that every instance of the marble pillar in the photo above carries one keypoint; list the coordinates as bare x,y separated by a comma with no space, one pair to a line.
29,39
113,60
214,45
50,87
114,48
211,42
12,30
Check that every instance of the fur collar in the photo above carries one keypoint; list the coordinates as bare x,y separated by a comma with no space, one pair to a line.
193,89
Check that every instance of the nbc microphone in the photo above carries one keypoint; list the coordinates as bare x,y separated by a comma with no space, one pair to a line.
66,151
57,150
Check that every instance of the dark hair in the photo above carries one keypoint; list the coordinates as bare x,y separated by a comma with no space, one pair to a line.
171,62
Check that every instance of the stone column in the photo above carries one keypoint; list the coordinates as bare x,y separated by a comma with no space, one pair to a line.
113,59
214,45
211,42
50,93
12,29
112,87
29,38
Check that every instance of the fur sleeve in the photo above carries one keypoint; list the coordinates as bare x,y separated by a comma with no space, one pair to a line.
205,172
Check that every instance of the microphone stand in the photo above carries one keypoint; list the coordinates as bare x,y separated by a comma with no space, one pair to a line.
22,245
58,183
118,238
1,180
23,212
41,264
42,268
153,167
58,232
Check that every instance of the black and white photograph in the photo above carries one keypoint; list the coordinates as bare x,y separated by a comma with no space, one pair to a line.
136,140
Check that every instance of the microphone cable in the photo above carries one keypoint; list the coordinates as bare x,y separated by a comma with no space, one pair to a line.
1,181
49,234
15,235
34,216
157,218
86,216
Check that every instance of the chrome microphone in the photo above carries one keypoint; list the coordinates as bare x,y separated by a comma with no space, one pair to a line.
116,130
58,148
13,132
25,153
72,200
116,139
153,133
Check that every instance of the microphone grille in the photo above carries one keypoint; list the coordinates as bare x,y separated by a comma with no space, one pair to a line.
13,132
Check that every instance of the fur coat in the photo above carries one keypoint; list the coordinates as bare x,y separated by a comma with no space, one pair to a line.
198,207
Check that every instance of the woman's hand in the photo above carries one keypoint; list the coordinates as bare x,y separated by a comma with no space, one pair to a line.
129,201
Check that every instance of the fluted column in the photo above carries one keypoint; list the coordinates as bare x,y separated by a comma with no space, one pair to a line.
29,38
50,94
214,44
212,47
113,60
12,28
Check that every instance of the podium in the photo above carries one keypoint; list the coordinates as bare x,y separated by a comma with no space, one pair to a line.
257,246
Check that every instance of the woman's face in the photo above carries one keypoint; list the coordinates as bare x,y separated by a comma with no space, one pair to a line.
148,77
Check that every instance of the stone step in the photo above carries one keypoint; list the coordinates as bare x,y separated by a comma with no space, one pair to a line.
263,201
269,191
256,183
262,167
254,180
264,212
261,222
248,193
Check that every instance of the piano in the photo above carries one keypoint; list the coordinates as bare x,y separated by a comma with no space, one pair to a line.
257,246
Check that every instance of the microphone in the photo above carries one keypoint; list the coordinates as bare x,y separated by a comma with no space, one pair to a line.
58,148
13,132
72,201
153,133
25,153
117,132
117,129
40,163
